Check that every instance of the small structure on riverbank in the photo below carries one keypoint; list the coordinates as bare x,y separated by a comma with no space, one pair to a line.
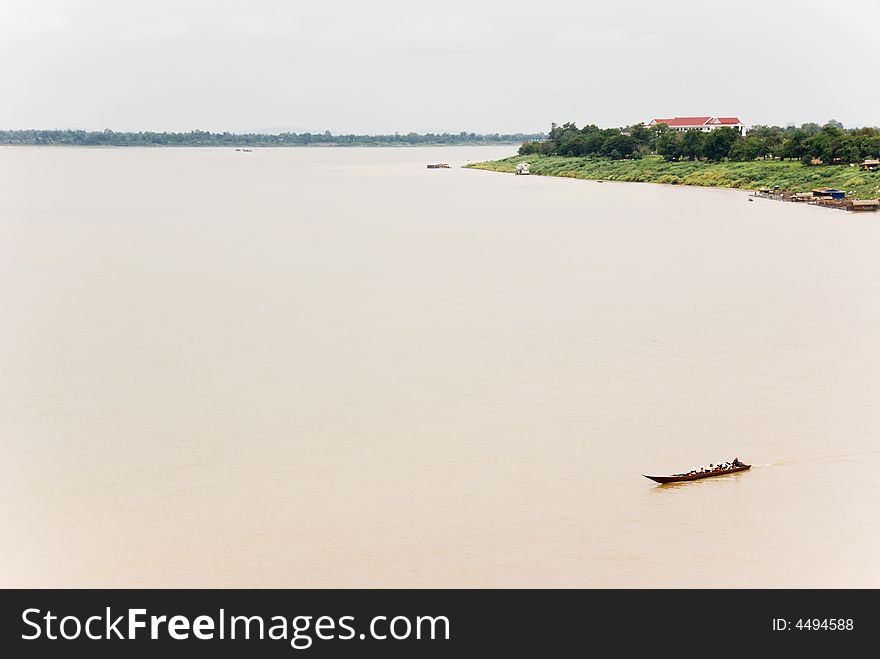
862,205
829,192
522,168
870,165
825,197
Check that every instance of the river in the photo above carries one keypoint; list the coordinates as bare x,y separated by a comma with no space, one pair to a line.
333,367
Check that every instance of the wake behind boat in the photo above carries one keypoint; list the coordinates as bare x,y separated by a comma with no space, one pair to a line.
702,472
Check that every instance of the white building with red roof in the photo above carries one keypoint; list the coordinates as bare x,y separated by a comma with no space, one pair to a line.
701,123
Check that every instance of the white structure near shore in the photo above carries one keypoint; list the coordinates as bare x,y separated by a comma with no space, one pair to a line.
702,123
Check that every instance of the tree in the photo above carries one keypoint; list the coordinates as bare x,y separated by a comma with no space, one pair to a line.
793,145
748,148
643,135
659,130
717,143
828,144
848,151
619,146
869,146
692,144
572,145
593,142
669,145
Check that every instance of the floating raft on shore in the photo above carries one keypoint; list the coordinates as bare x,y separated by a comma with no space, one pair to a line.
679,478
864,205
825,197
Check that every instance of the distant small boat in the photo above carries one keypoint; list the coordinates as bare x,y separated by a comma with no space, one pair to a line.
439,165
599,181
678,478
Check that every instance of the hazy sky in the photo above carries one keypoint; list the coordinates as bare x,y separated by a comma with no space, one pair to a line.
449,65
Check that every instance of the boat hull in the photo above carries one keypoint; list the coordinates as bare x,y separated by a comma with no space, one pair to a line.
696,477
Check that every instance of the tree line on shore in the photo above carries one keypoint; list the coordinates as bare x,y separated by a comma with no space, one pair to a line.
810,143
206,138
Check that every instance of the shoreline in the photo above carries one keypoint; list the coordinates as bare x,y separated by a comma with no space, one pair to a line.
747,176
254,146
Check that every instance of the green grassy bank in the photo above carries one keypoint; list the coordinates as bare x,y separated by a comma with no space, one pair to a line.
792,176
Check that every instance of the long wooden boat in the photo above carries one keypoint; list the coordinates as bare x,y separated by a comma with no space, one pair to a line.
678,478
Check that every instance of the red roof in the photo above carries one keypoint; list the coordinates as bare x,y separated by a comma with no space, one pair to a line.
698,121
689,121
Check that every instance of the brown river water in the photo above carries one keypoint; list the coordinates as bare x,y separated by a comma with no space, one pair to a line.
337,368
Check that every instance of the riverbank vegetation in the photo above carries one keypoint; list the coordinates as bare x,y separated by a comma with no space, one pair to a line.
206,138
796,159
750,175
810,143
